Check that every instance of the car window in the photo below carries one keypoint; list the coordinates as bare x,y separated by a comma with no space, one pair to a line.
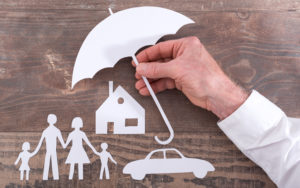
157,155
171,154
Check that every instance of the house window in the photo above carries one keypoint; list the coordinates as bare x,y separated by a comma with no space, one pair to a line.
120,100
131,122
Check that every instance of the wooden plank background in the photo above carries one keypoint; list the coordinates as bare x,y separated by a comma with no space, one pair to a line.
257,43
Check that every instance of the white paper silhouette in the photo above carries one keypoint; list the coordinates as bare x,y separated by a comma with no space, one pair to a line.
121,35
140,168
104,156
50,134
24,156
118,107
77,153
117,36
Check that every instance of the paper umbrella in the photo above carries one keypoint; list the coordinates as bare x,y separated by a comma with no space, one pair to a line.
121,35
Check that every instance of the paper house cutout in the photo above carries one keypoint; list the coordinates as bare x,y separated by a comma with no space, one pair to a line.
119,111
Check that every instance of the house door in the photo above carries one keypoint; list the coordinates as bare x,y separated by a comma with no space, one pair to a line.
110,127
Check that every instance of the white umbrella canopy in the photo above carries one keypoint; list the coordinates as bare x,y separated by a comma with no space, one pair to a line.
121,35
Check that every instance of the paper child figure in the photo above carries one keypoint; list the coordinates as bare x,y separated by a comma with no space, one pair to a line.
24,156
50,134
77,153
104,156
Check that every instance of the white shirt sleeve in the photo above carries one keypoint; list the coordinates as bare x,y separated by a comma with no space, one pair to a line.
268,137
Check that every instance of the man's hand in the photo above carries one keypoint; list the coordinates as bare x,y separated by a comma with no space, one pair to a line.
186,65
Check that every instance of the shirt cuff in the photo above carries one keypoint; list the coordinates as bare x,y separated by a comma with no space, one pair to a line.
251,121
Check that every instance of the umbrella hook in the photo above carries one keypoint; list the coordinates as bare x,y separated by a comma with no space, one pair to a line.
165,142
159,108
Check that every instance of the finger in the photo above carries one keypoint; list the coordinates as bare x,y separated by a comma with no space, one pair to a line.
162,50
158,86
138,76
140,83
159,60
133,64
157,70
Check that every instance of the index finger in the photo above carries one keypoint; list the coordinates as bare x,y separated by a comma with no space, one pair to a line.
162,50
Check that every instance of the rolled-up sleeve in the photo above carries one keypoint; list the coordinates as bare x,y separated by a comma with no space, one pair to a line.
263,132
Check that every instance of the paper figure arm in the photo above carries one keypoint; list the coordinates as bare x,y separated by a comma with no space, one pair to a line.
61,140
112,159
89,144
17,161
97,153
39,145
32,154
67,142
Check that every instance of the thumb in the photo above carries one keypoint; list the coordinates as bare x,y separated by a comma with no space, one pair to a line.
156,70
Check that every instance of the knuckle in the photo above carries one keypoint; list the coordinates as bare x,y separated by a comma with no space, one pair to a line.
154,69
176,69
194,40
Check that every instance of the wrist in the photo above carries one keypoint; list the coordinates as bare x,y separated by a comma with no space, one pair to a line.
227,98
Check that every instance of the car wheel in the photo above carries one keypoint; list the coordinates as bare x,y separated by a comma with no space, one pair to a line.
138,176
199,174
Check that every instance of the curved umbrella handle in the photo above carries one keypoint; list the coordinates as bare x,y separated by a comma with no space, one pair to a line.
156,102
159,108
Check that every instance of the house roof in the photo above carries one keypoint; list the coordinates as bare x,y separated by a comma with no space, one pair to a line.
128,99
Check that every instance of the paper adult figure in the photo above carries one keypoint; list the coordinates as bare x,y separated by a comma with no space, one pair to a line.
50,134
121,35
77,153
24,156
104,156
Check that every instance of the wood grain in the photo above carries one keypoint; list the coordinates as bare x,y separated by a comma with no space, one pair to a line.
179,5
256,43
233,169
37,67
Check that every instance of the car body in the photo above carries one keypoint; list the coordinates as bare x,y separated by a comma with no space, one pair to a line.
140,168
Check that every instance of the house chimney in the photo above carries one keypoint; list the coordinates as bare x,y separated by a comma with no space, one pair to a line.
110,87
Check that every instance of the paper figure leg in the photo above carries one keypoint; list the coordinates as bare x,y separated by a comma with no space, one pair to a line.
71,171
80,171
106,172
54,167
46,166
21,174
101,172
27,174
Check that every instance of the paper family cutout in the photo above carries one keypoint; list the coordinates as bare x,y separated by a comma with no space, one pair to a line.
120,35
24,156
77,154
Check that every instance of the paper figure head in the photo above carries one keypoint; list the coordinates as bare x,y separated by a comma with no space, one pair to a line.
26,146
104,146
77,123
52,119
